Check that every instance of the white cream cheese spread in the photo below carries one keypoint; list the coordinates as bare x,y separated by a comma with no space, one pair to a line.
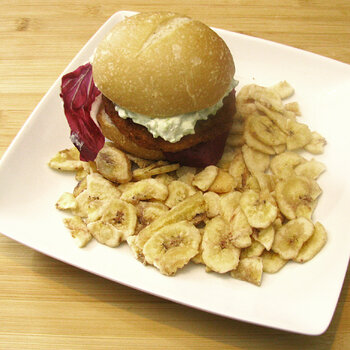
174,128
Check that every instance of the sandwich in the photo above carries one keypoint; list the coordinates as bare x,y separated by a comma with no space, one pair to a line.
168,88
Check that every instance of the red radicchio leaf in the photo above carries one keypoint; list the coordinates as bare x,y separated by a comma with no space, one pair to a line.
78,92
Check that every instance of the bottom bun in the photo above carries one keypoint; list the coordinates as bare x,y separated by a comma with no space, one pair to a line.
110,131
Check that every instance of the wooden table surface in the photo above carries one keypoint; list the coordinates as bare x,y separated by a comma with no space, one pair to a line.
46,304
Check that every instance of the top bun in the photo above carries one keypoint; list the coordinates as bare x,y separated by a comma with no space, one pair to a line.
163,64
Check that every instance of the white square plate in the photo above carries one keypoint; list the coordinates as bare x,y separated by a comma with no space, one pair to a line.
300,298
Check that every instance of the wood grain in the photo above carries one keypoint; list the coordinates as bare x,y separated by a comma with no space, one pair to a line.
46,304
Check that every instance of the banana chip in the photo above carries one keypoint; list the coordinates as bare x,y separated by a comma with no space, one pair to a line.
265,96
113,164
212,201
226,158
283,165
78,230
156,168
101,192
117,223
184,211
312,169
250,270
178,191
298,135
265,236
260,208
238,170
240,229
186,174
263,129
255,249
291,236
253,142
283,89
317,143
66,160
218,251
67,201
223,183
293,107
172,247
313,245
272,262
147,212
296,196
144,190
256,162
206,177
228,204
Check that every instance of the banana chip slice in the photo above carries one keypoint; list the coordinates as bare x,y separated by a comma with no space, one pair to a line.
83,202
240,229
291,236
226,158
296,196
293,107
265,236
172,247
113,164
117,223
266,182
185,210
267,97
67,160
238,170
313,245
80,187
223,183
317,143
218,251
228,204
206,177
312,169
144,190
178,191
253,142
283,89
147,212
250,270
156,168
256,162
212,201
263,129
252,183
272,262
255,249
78,230
66,201
260,208
186,174
100,192
283,164
298,135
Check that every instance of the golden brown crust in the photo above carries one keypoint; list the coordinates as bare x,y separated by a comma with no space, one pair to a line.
205,130
110,131
163,64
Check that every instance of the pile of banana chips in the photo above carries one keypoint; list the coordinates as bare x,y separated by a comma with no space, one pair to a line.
250,213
